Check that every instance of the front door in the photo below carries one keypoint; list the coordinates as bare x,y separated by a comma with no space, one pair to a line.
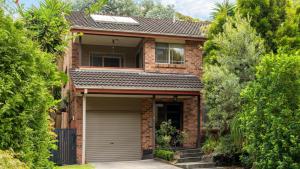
169,111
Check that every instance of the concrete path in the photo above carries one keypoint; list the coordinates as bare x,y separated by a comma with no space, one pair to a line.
141,164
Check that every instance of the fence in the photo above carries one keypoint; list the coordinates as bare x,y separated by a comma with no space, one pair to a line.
66,147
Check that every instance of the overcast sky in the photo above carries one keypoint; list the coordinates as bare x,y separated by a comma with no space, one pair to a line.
195,8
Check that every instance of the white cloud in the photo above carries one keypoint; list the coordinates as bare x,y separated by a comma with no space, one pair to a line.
195,8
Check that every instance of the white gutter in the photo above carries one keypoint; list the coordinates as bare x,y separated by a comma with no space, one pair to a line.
83,125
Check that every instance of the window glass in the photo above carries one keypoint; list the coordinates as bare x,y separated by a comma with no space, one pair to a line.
95,59
169,53
162,53
111,62
176,54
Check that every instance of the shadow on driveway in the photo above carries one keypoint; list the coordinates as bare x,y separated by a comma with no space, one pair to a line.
141,164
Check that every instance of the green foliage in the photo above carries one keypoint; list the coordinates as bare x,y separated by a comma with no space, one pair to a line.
8,161
181,17
48,25
26,74
288,34
266,17
160,11
225,146
209,145
121,8
167,136
88,6
270,116
238,50
225,8
221,94
221,12
164,154
144,8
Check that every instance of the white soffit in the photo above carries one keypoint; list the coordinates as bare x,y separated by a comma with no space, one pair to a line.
114,19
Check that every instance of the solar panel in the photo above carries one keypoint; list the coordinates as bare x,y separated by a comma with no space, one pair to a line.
114,19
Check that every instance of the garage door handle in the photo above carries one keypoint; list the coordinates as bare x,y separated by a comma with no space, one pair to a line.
111,142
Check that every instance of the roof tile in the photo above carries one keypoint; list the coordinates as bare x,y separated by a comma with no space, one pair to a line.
104,79
146,25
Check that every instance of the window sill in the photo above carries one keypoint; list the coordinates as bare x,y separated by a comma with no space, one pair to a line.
176,66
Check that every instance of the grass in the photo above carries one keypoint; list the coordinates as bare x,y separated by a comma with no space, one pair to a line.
86,166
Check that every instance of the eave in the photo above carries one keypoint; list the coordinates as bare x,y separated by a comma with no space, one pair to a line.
93,31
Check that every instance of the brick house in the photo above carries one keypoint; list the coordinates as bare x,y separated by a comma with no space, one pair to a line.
127,75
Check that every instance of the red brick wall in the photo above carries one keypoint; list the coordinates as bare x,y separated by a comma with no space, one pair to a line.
190,112
76,113
147,124
192,55
75,55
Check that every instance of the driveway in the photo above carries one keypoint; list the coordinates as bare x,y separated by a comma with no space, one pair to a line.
141,164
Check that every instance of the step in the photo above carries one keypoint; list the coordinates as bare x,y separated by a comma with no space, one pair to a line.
197,154
189,159
194,165
187,151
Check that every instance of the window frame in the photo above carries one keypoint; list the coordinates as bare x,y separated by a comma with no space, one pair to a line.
105,55
169,53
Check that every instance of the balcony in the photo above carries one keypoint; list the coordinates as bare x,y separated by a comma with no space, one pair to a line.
110,52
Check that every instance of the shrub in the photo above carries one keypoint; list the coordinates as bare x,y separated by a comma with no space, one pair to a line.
271,113
209,145
8,161
27,76
167,136
164,154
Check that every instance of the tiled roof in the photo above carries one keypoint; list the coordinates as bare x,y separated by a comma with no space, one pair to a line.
109,79
146,26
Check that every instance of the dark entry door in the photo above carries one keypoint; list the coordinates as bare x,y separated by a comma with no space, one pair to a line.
169,111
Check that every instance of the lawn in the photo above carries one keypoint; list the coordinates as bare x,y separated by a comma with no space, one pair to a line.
87,166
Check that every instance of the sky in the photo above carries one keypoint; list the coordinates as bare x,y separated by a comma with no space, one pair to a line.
195,8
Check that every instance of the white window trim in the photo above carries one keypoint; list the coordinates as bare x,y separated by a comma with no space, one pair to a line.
169,54
103,56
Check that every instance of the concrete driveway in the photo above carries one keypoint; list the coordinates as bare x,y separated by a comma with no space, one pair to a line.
141,164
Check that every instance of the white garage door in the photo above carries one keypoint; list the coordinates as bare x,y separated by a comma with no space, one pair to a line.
113,129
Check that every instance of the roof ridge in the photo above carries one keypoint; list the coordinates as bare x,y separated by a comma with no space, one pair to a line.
142,17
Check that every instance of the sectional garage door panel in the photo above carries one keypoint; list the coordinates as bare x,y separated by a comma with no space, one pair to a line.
113,135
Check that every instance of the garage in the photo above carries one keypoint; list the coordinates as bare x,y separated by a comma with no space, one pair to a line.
113,129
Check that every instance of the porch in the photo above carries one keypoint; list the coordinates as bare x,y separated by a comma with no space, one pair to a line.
118,112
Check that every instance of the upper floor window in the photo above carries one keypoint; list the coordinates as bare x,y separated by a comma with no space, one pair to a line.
169,53
105,60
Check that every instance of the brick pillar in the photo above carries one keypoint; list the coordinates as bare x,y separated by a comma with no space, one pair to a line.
75,55
149,54
190,121
147,125
76,105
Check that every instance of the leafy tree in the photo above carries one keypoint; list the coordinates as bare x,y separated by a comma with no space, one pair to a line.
48,25
270,118
225,7
89,6
121,8
144,8
181,17
221,12
288,34
266,17
26,74
238,50
160,11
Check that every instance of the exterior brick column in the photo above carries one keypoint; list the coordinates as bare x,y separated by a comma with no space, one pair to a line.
190,121
75,55
77,123
147,125
149,54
